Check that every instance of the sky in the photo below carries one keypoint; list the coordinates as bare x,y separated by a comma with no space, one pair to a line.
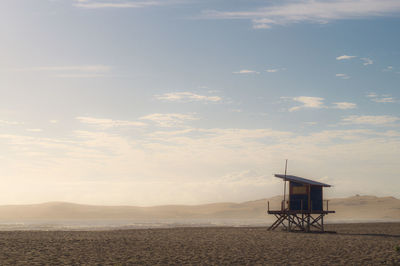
135,102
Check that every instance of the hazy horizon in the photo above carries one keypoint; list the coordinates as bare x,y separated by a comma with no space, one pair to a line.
266,199
148,103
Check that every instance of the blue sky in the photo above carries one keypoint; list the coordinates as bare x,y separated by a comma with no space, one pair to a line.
159,102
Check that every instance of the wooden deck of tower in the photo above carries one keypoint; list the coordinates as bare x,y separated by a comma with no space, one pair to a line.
304,209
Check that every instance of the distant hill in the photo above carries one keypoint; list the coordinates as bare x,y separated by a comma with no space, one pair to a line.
352,208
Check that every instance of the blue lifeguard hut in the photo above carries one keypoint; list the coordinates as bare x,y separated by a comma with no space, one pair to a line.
304,208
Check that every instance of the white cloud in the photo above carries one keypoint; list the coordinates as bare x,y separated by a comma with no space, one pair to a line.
307,102
169,120
314,11
342,76
317,103
385,98
372,95
187,97
246,71
259,25
34,130
344,105
106,123
53,121
274,70
193,166
388,69
367,61
162,134
375,120
6,122
345,57
234,134
311,123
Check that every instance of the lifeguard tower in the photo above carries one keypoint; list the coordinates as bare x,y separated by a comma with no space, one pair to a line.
303,209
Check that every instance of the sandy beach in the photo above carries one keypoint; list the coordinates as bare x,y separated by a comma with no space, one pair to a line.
355,244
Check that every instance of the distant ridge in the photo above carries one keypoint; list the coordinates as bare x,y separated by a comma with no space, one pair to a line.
351,208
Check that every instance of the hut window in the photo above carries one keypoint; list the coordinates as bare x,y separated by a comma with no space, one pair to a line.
299,190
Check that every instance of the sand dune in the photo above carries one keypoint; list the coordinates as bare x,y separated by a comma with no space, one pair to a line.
357,208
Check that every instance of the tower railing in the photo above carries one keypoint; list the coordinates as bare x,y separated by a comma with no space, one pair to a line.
284,205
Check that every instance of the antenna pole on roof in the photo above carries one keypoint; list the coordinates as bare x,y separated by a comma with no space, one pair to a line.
284,188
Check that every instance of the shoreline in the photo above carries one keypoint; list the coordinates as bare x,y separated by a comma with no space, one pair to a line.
111,225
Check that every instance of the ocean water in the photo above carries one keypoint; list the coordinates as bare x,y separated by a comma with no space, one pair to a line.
97,225
93,225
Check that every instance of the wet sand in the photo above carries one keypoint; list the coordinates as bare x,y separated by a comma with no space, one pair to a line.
353,244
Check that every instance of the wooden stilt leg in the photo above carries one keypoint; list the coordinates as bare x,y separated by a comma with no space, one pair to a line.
322,223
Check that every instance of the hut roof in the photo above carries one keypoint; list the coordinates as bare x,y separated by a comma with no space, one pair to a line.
302,180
